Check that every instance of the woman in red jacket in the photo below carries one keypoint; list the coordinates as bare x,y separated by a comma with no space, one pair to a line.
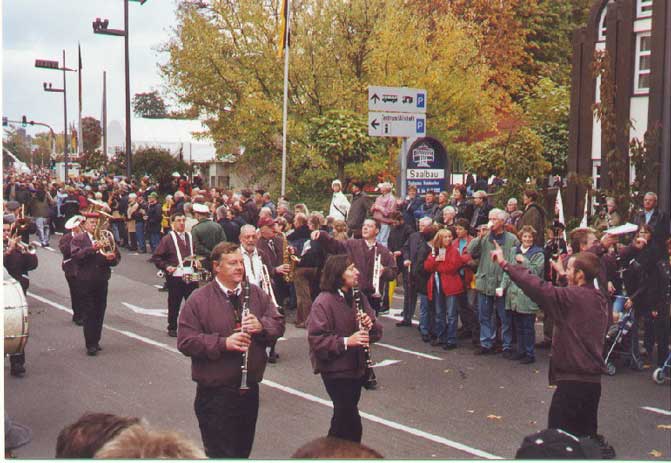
445,285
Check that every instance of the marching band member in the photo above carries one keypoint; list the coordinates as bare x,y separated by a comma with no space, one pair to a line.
208,333
252,258
18,260
169,257
338,334
93,273
363,253
73,226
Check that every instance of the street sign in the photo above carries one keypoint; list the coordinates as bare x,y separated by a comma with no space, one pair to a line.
396,124
45,63
397,99
427,165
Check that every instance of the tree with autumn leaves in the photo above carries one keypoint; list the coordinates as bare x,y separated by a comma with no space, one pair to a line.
480,62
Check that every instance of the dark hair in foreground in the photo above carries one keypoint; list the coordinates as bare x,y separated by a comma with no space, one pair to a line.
331,447
587,262
84,437
335,266
223,248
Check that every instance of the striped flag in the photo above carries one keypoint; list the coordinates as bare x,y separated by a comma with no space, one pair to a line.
283,32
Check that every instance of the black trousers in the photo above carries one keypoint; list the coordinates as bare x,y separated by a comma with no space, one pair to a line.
75,298
345,394
177,290
575,408
468,315
93,302
227,420
409,296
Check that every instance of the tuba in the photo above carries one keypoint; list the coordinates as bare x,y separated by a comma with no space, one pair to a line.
101,233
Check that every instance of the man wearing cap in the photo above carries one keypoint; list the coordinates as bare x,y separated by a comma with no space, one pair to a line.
18,261
153,220
339,203
93,274
206,234
72,227
169,257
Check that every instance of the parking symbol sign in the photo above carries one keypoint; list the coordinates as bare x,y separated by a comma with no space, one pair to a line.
420,125
420,100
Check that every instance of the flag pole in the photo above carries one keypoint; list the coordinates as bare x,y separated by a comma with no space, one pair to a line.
286,97
104,114
80,137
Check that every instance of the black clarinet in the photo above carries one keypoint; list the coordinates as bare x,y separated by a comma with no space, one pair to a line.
370,381
245,355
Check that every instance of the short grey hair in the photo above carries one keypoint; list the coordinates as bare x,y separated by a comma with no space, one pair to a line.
653,194
480,194
512,201
426,220
498,213
246,227
449,209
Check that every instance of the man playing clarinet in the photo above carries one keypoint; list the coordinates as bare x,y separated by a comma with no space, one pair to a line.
221,340
169,257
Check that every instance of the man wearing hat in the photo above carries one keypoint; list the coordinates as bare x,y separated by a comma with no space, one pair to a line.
153,220
72,227
93,274
339,203
361,203
206,234
18,261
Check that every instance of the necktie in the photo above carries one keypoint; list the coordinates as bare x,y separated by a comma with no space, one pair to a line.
272,246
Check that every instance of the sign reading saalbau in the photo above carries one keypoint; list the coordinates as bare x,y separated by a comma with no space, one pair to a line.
396,124
397,99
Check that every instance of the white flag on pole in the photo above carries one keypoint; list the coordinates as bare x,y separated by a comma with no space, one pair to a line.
559,209
583,222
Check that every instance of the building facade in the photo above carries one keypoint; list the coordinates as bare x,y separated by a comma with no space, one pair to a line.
637,37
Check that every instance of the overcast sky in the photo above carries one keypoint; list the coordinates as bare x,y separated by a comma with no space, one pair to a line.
43,28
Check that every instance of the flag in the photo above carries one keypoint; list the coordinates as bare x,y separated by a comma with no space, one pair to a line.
284,25
559,208
583,222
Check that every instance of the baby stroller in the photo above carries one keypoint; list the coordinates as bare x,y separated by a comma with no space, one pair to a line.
619,344
664,372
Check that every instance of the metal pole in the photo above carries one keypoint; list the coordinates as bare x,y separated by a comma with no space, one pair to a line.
65,117
128,138
404,167
104,118
286,98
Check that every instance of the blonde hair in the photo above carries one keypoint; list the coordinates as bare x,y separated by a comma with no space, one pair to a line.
440,236
138,442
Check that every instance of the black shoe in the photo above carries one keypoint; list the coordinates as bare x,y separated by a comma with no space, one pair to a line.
545,344
98,348
404,323
436,342
17,370
272,358
172,333
484,351
527,360
426,338
92,351
518,356
450,346
607,450
383,312
78,321
507,354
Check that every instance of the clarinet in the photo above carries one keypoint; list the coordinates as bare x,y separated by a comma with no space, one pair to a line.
245,355
370,381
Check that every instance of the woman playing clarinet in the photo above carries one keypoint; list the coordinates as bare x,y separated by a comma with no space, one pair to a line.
339,334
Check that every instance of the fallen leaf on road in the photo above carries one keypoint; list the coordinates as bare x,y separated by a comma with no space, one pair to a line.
501,387
470,411
647,366
664,426
494,417
532,422
552,387
446,371
655,453
536,371
542,401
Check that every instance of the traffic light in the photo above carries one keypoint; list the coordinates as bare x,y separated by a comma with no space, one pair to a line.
24,121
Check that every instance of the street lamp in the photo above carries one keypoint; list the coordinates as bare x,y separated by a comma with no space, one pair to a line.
102,27
50,64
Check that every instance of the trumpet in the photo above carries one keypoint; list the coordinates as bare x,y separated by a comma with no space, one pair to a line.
22,247
266,286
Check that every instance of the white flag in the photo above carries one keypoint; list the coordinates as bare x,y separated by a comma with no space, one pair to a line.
559,209
583,222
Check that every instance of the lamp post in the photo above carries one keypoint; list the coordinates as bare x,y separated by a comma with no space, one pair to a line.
49,64
101,27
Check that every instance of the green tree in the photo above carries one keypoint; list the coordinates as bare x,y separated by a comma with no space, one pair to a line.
149,105
157,163
92,134
17,142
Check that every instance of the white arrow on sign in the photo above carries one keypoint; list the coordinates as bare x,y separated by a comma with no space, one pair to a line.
386,363
397,99
396,124
140,310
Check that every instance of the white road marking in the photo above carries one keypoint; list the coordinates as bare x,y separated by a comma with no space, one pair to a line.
140,310
386,363
312,398
157,286
398,318
49,248
407,351
658,410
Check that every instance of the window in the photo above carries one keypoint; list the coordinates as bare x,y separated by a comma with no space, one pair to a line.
642,76
643,8
596,175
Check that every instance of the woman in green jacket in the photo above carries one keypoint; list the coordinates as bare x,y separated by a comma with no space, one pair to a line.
524,309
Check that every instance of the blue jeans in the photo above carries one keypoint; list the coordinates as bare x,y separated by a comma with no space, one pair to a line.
139,235
526,333
383,236
43,230
424,314
486,307
446,318
154,239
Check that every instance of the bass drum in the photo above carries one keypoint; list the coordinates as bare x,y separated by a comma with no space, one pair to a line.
16,316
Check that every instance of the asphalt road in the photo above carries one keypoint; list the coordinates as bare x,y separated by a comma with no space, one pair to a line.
430,404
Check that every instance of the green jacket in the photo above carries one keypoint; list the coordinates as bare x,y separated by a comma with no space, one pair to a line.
206,235
489,274
516,300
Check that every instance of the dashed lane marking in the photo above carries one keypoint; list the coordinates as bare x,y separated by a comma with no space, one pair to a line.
304,395
658,410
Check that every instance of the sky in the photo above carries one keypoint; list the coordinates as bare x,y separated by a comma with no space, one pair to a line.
41,29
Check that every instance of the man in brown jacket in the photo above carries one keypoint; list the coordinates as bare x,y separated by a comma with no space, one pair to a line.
214,331
580,313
